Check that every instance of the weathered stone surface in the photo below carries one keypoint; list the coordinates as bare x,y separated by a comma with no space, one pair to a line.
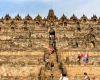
71,34
23,41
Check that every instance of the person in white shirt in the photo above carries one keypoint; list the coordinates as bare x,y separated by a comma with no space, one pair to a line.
86,77
63,77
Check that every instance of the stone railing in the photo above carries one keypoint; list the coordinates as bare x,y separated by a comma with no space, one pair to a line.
62,68
58,57
41,74
46,55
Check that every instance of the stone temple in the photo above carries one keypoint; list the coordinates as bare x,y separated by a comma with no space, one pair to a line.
24,44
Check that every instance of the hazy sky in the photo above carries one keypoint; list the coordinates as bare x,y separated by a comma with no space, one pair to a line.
35,7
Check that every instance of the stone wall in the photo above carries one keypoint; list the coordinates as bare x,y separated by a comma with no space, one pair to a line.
78,71
22,53
71,34
22,64
75,53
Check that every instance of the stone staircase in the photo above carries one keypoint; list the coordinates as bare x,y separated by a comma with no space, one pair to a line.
56,71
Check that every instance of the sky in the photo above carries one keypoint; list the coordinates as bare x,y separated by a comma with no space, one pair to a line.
60,7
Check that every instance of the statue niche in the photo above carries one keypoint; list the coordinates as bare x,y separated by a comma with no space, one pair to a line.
90,41
28,17
38,20
94,18
12,26
63,20
65,23
7,17
18,17
92,44
78,27
74,44
73,18
37,23
84,18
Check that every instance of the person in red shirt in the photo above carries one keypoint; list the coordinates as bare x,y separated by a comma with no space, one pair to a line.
86,57
82,57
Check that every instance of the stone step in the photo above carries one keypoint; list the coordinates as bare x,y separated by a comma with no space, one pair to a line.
55,68
54,78
52,57
56,71
55,74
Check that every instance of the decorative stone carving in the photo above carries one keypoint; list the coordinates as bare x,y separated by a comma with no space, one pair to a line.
94,18
7,17
51,16
38,18
18,17
28,17
84,18
63,20
73,18
70,33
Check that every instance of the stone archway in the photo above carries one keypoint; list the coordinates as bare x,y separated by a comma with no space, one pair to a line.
52,32
37,23
65,23
92,43
52,38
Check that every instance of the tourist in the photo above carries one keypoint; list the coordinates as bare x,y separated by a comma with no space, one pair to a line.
82,57
54,43
47,60
50,37
86,56
79,57
52,66
50,50
86,77
63,77
47,64
51,76
53,51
